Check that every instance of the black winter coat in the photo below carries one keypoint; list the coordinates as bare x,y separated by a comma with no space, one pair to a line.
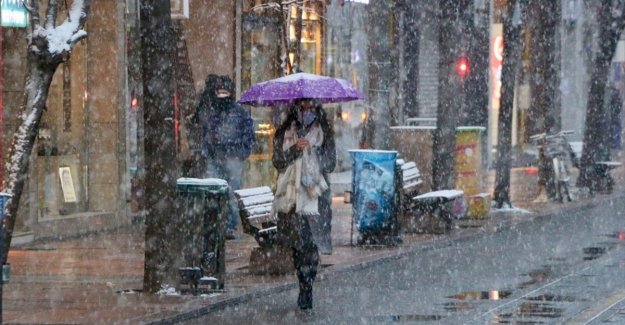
295,231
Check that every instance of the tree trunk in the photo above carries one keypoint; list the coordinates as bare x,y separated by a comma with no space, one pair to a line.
42,62
543,116
595,144
552,78
380,73
38,83
450,92
476,113
511,55
297,46
411,58
160,170
284,17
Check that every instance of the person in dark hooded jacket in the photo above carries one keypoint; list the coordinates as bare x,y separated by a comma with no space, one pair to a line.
227,137
304,155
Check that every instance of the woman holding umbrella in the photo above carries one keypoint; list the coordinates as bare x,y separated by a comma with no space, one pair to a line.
304,155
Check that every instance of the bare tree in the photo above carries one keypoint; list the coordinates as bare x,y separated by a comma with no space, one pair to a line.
450,85
512,26
157,47
381,52
544,112
412,35
476,109
48,46
611,22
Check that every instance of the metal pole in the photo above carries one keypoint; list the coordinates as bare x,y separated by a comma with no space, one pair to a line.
2,257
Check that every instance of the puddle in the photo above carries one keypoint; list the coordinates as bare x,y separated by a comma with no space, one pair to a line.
557,259
458,306
407,318
619,235
550,297
589,275
528,311
540,310
593,253
537,276
500,319
482,295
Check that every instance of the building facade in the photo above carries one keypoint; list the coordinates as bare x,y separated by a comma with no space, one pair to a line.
87,166
81,174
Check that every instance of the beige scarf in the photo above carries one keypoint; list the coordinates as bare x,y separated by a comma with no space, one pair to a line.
301,184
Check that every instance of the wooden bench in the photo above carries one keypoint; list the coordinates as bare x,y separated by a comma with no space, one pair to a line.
256,216
410,178
602,169
434,205
258,220
438,207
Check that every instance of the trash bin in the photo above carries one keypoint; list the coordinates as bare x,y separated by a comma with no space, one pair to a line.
202,209
374,201
6,270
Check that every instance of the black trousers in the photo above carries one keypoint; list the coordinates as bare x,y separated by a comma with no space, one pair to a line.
306,258
294,231
306,261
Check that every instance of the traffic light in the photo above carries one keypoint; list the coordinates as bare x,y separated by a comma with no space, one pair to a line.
463,67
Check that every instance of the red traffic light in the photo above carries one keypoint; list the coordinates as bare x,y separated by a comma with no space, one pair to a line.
463,67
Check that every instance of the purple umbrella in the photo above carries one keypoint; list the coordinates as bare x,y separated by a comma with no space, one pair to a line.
297,86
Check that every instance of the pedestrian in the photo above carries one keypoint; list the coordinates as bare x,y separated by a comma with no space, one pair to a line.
304,154
227,138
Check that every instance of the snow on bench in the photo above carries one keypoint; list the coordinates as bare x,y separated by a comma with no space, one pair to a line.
443,194
256,216
411,177
609,164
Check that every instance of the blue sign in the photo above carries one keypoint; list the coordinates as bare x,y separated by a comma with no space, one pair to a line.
13,14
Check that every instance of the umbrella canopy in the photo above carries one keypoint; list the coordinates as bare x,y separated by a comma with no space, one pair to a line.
287,89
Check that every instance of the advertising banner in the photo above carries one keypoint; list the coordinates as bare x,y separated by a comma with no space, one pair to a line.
373,188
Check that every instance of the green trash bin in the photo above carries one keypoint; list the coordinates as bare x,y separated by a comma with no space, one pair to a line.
202,209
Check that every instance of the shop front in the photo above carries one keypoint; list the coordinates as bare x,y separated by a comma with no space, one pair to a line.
261,51
76,177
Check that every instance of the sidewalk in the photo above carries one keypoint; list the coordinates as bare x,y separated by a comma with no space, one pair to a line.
96,279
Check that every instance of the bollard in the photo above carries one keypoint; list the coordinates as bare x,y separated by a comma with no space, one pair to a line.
4,197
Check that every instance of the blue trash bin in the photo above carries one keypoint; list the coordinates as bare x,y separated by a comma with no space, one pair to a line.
373,188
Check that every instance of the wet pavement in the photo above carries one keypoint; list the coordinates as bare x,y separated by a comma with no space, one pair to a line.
545,272
97,279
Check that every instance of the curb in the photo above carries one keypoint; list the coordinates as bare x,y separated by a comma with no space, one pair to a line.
427,245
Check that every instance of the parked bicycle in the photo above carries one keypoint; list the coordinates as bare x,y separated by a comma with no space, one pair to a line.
558,152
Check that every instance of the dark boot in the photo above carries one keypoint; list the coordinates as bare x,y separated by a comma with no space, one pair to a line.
306,265
305,298
306,276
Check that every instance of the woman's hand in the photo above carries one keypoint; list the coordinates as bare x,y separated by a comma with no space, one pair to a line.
302,143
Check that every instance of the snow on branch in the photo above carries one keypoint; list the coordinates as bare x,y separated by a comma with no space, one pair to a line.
59,40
